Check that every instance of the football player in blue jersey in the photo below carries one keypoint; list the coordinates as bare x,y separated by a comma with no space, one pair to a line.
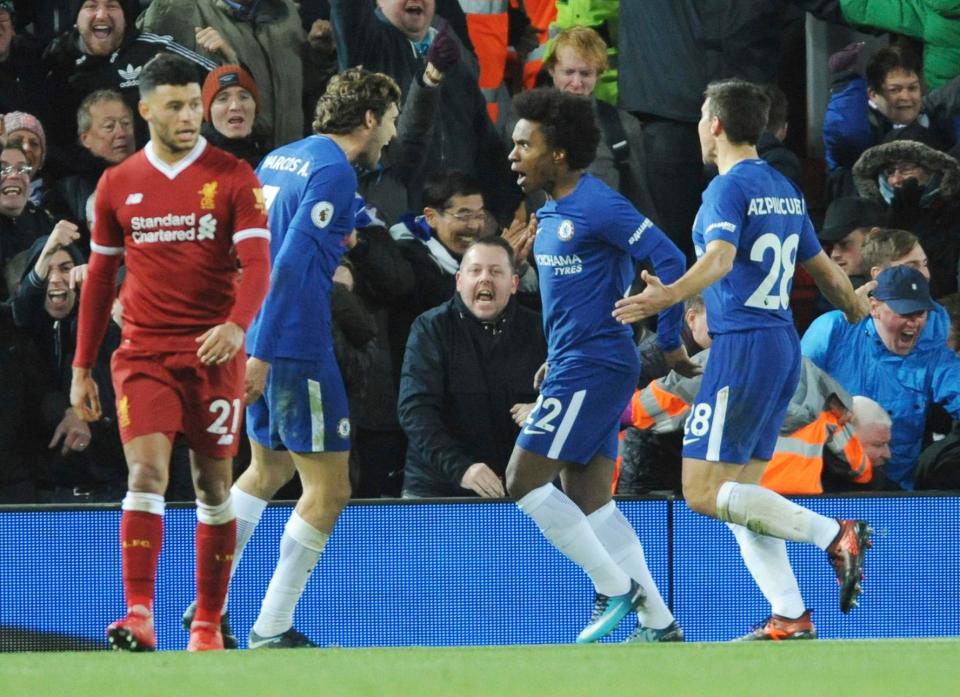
588,240
297,416
750,232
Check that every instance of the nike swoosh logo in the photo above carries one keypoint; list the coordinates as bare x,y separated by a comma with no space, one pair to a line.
533,432
253,644
688,441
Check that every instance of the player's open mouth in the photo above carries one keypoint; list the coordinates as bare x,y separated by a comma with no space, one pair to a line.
237,120
485,295
415,10
11,190
102,31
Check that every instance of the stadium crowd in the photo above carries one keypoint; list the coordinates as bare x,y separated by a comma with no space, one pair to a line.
439,365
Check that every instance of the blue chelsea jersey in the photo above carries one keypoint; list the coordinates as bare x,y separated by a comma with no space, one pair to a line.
586,246
309,187
763,214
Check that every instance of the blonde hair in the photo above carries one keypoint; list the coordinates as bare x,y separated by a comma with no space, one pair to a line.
584,41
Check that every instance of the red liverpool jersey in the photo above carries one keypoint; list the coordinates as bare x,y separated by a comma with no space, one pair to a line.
177,225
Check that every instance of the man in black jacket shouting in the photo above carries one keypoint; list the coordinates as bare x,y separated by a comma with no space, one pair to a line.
467,363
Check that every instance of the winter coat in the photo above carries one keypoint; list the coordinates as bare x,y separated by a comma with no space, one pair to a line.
463,136
851,125
270,46
103,462
810,433
71,74
670,51
935,22
460,378
21,80
931,213
251,149
905,386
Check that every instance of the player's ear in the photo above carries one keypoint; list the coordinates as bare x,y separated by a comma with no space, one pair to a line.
143,109
559,155
370,119
716,128
431,214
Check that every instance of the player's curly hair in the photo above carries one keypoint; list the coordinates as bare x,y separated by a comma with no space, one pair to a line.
742,108
349,95
167,69
566,121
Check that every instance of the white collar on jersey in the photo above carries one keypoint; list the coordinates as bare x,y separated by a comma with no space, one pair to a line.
171,171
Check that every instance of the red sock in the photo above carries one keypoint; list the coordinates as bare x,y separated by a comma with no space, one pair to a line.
215,546
141,536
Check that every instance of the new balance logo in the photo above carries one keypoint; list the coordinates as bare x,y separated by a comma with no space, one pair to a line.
130,76
134,199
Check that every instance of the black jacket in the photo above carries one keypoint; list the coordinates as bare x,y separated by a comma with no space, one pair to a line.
71,74
932,213
460,378
671,50
463,136
103,461
18,234
21,80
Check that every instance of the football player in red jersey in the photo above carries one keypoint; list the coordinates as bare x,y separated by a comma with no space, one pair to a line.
182,213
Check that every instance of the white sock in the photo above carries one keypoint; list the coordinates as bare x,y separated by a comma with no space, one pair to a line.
567,529
248,509
300,548
766,558
620,540
766,512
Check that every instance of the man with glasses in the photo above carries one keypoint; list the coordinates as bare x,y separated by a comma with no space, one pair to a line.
434,243
20,221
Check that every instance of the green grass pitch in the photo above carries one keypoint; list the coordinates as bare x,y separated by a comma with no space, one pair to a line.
906,668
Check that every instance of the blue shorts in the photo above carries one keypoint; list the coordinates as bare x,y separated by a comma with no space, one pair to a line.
577,415
303,408
747,385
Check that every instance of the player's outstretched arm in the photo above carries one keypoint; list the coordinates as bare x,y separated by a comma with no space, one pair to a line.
836,287
715,263
96,298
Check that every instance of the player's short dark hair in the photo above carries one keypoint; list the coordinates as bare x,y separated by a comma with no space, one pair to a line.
349,96
84,119
493,241
741,107
888,59
777,114
565,120
883,246
441,186
167,69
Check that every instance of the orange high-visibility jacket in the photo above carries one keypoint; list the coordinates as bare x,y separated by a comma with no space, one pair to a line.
489,27
809,427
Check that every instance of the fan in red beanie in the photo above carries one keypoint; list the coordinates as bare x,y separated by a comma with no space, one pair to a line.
230,112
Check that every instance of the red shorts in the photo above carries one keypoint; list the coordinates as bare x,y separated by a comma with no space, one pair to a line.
174,393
